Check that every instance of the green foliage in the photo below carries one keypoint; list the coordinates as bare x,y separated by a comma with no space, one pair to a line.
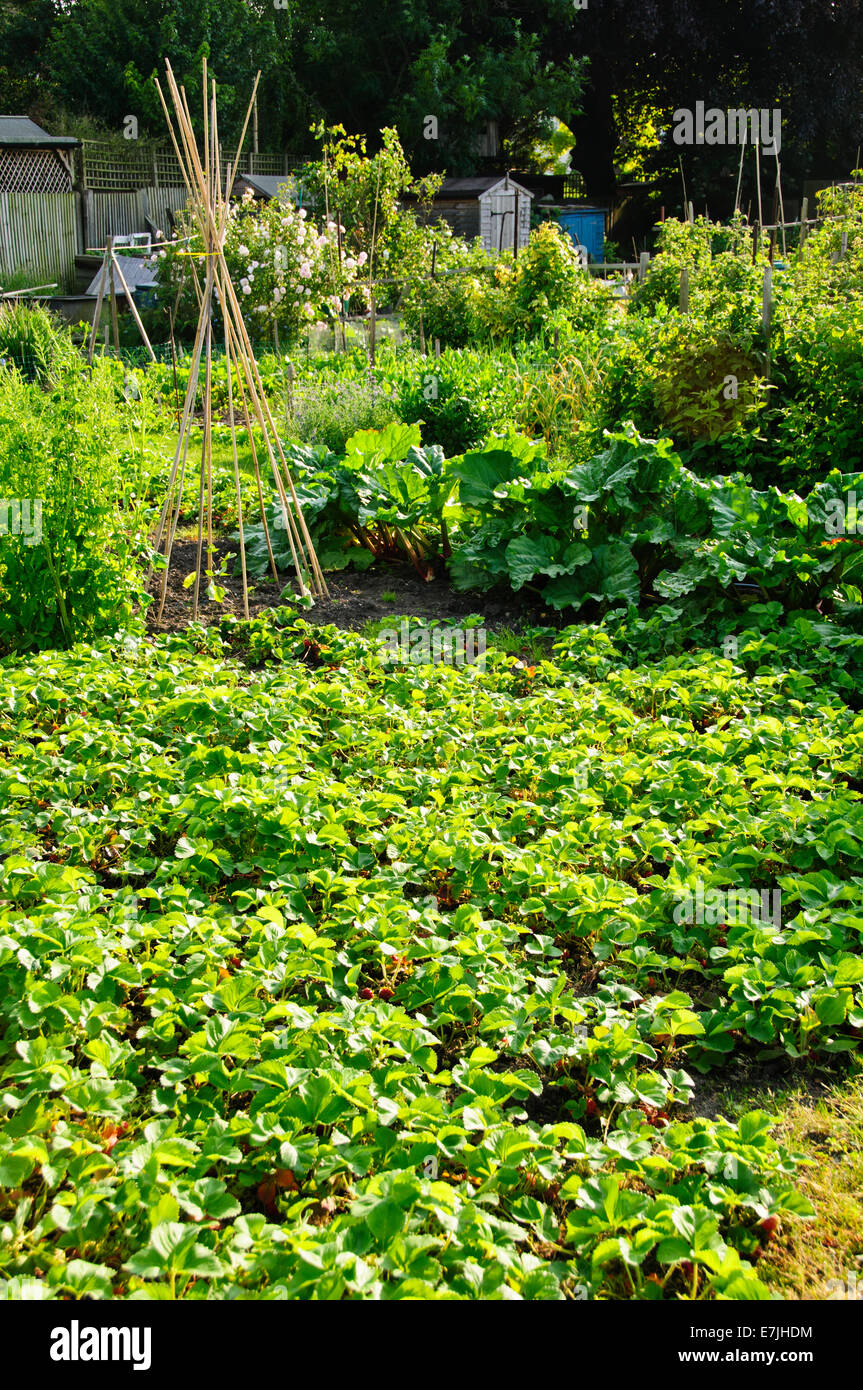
33,343
77,573
100,61
706,383
559,397
725,280
439,306
268,1035
634,524
332,412
457,399
384,499
476,299
363,191
542,290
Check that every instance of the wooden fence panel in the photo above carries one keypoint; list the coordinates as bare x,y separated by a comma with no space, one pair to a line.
122,213
113,214
159,200
40,236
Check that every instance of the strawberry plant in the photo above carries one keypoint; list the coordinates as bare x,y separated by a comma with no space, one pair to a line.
329,980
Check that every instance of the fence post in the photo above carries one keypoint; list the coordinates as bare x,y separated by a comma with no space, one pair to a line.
804,217
767,301
643,263
87,217
684,290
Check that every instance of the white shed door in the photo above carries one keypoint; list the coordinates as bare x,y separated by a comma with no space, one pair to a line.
502,220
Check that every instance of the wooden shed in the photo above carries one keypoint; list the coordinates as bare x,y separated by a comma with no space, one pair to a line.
488,207
266,186
32,161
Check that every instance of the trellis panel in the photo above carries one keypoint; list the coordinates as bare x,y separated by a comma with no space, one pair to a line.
33,171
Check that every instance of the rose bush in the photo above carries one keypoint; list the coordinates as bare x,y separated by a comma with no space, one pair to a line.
286,269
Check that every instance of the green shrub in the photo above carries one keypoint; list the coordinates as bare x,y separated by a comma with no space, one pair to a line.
724,283
458,398
705,382
440,306
31,341
634,525
543,290
71,571
330,410
476,298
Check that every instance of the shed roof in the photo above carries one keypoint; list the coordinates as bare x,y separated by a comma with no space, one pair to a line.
267,185
475,187
139,272
26,134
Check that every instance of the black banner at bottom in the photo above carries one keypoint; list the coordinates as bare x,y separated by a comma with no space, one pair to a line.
66,1340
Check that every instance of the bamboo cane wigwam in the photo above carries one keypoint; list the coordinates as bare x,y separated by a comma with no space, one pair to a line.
209,202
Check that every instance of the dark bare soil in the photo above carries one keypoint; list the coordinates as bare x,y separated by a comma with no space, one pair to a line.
355,598
754,1081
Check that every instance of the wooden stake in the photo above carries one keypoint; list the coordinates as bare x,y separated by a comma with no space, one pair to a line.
767,302
372,287
130,300
341,297
739,176
208,377
683,181
251,437
781,200
804,217
115,323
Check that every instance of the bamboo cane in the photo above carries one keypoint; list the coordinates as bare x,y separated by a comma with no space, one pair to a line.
210,210
130,300
233,429
100,299
739,176
249,430
207,384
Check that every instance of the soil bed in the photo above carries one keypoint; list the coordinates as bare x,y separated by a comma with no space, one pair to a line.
356,598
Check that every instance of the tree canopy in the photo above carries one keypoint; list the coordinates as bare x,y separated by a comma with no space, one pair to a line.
613,72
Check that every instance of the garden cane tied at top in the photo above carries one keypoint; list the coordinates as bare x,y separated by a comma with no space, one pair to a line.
210,205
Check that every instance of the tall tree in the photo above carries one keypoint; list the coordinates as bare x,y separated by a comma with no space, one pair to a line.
102,58
402,61
803,56
25,26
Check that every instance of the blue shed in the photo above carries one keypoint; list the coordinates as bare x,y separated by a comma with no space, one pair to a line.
586,227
